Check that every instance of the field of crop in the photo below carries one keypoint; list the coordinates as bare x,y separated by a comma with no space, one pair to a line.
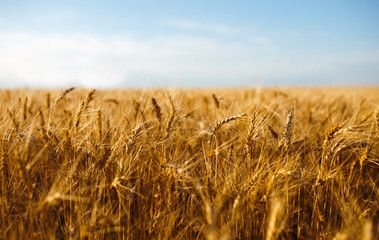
189,164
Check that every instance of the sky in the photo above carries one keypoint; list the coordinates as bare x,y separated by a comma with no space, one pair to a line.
180,44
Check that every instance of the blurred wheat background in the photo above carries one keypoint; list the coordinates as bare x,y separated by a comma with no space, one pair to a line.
189,164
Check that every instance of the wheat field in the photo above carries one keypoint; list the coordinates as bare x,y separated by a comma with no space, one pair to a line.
289,163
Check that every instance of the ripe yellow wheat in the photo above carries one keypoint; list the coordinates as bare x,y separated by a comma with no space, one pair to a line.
187,164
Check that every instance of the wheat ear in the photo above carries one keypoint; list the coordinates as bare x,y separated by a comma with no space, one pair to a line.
48,97
273,132
329,136
136,133
287,134
226,120
250,132
13,119
362,159
25,108
67,91
157,109
42,123
216,101
99,124
83,106
170,123
136,105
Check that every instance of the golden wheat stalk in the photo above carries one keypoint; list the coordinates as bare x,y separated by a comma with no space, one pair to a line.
42,124
250,132
25,108
362,159
136,105
48,101
287,134
250,135
99,124
63,95
273,132
83,106
42,119
226,120
157,109
208,132
13,119
136,133
332,132
216,101
271,224
170,123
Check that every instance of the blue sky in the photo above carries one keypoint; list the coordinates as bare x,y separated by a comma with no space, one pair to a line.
109,44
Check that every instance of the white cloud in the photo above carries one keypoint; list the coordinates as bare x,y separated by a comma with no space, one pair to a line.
165,60
63,59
